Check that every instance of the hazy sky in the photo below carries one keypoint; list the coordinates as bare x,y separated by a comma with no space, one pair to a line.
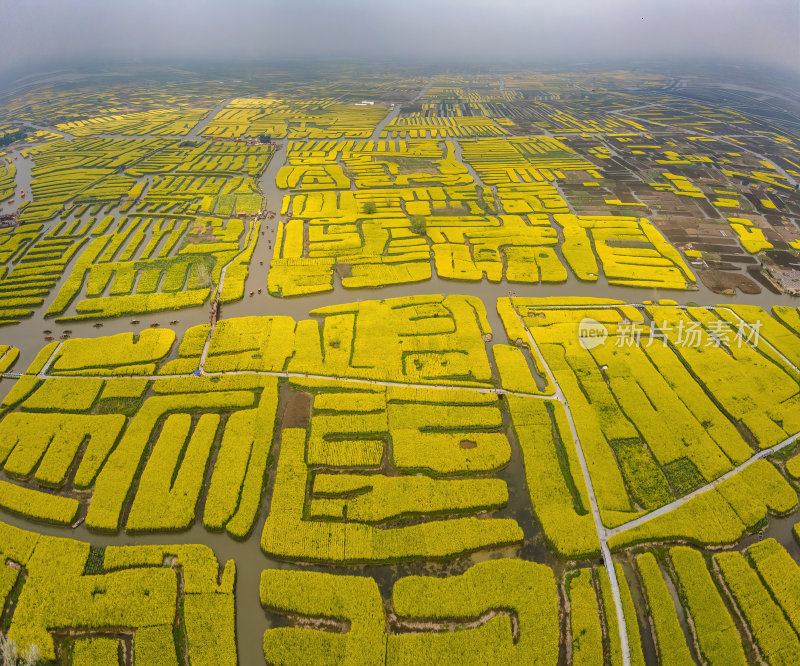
564,31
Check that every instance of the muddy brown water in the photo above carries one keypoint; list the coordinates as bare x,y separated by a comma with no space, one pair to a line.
779,528
639,603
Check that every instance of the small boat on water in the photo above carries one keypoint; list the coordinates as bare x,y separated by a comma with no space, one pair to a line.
154,324
48,337
134,321
98,325
252,292
67,331
174,321
63,336
259,291
47,331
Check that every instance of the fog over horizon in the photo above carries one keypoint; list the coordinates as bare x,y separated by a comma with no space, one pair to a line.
42,34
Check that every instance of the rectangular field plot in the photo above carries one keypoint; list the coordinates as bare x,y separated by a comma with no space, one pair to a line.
147,264
680,425
423,339
377,460
501,611
159,454
666,399
319,118
74,434
374,213
142,225
520,598
660,406
98,603
719,608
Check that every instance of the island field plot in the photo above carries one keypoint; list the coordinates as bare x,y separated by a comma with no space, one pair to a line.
108,390
145,175
157,122
7,181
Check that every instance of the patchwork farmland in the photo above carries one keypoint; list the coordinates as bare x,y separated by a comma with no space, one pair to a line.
403,369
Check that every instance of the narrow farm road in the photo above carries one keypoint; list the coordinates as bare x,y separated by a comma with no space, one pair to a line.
709,486
602,533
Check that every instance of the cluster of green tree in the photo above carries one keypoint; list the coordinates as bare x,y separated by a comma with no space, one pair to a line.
11,137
